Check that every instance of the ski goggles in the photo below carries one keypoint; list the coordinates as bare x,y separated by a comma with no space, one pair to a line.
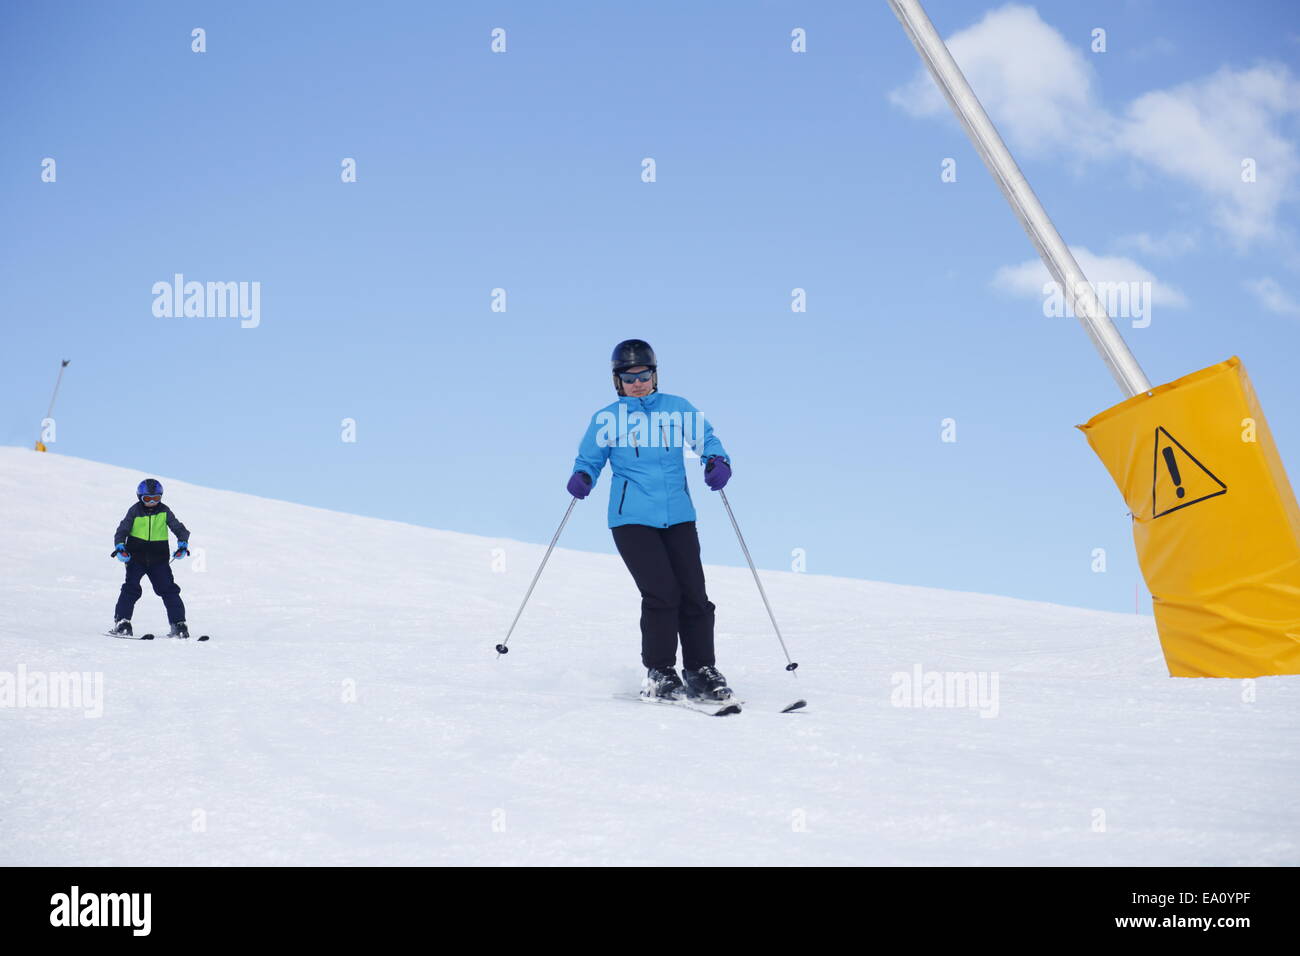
151,499
629,377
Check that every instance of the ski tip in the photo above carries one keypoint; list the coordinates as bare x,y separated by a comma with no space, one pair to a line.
203,637
727,711
795,706
146,637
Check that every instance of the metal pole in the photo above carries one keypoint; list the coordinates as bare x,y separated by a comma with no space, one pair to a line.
57,382
790,665
50,411
501,648
988,143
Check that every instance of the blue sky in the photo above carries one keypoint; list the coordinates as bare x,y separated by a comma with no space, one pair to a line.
522,171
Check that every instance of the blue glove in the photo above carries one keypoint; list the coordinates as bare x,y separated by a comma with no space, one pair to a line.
717,473
579,484
120,553
182,549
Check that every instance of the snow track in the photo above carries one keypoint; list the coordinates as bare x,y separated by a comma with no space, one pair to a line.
250,750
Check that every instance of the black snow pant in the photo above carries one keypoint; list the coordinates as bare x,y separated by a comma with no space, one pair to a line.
665,563
164,585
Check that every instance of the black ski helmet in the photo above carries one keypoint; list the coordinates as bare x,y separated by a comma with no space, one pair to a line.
150,486
629,354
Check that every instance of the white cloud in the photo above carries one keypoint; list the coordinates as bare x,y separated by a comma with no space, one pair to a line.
1039,91
1200,132
1272,296
1036,87
1171,244
1026,280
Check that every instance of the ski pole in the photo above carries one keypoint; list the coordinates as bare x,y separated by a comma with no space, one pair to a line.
790,665
501,648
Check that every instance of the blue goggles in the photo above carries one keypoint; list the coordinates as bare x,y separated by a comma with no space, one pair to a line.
629,377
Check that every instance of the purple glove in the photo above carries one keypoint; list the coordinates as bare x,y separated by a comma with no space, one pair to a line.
717,473
580,484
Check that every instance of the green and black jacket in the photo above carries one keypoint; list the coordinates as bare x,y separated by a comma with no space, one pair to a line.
145,532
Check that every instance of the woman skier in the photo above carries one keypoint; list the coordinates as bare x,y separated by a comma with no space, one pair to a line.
141,544
652,519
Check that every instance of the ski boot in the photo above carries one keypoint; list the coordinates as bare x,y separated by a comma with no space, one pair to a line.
122,627
706,682
663,683
179,630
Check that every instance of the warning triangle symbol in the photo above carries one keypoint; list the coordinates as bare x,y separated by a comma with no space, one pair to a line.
1179,479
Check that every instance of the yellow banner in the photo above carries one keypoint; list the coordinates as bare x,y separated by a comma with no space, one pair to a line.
1214,520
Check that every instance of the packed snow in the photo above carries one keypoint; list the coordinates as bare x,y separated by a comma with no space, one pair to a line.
350,709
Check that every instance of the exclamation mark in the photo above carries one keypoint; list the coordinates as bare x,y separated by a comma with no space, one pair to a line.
1179,490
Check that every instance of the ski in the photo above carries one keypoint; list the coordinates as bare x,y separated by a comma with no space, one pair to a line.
129,637
716,708
150,637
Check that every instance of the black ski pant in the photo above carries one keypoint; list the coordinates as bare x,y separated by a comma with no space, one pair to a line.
665,563
164,585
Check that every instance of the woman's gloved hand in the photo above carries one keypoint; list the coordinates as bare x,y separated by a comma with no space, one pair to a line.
579,484
717,473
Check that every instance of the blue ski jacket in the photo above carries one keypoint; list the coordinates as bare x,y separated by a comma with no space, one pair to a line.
643,441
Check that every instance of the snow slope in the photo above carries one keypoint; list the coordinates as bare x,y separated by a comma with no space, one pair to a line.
244,750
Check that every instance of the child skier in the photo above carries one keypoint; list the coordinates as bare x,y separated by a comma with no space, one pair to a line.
141,544
652,519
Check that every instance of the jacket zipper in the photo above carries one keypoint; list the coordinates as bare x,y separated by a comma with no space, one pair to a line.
622,496
667,504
